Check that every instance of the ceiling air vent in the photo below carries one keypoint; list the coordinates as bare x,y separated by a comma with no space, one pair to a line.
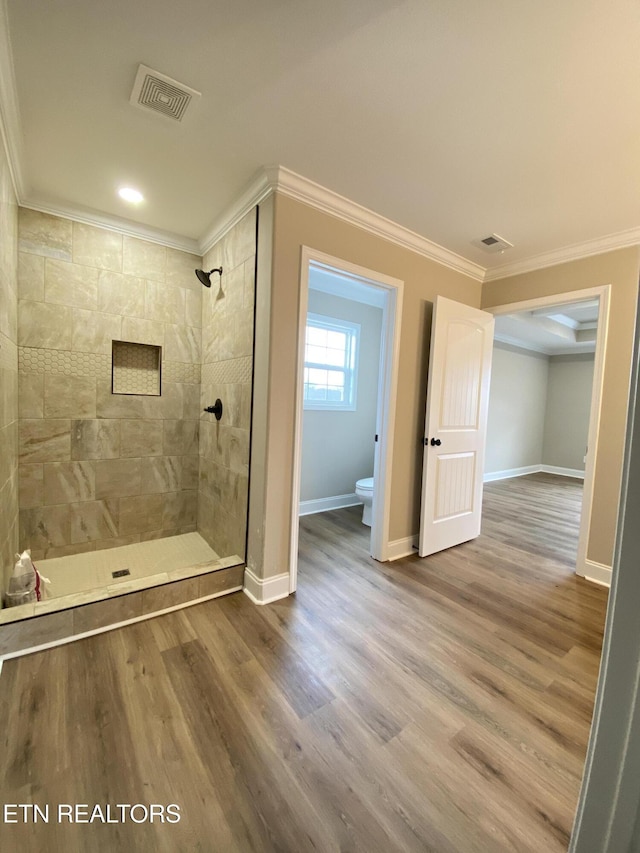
157,92
493,243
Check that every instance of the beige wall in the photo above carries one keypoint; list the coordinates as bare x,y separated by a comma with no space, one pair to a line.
295,225
98,469
566,422
517,402
227,353
620,270
338,447
8,374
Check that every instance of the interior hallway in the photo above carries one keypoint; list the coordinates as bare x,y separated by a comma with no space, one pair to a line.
424,705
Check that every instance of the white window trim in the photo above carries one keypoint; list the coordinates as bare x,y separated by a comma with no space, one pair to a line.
354,331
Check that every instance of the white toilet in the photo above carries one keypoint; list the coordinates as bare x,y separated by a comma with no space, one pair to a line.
364,490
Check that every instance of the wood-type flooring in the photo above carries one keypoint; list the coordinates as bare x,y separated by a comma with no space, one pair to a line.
434,705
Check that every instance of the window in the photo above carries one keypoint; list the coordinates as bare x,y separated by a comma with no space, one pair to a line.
330,364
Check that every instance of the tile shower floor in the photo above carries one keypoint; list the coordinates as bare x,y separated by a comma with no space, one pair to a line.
173,558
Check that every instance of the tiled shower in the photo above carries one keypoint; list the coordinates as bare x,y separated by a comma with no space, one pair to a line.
119,349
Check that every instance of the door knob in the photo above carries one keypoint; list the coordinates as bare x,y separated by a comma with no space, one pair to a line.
435,442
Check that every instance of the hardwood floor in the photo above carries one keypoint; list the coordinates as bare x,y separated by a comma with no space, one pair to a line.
425,705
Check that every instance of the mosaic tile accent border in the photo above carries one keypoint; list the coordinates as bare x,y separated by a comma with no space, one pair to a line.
178,371
8,354
234,370
92,365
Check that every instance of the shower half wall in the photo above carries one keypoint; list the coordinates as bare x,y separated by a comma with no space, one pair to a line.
100,470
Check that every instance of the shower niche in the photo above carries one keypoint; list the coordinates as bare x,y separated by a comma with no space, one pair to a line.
135,426
136,369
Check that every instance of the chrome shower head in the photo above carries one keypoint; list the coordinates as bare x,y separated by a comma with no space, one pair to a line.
205,277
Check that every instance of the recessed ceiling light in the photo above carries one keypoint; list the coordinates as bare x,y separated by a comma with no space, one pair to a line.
131,195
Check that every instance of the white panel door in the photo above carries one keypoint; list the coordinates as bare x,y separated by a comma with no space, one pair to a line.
455,425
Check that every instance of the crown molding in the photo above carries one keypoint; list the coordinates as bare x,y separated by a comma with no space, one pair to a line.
10,128
117,224
255,192
308,192
599,246
581,348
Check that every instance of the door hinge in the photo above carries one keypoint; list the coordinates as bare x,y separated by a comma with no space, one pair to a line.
376,438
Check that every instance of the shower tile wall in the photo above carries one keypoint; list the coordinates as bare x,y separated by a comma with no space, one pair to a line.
99,470
227,352
8,373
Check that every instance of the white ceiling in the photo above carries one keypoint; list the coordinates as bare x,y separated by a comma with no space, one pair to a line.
453,118
560,330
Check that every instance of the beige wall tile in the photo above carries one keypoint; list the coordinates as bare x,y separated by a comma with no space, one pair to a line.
249,287
31,395
45,527
8,309
144,259
35,632
215,582
69,482
142,331
110,405
107,612
243,327
182,343
95,332
31,479
69,284
169,595
239,244
191,401
231,298
8,443
45,326
180,438
140,513
180,509
69,397
180,269
44,440
31,277
117,477
236,449
141,438
93,520
164,303
8,396
193,308
95,439
160,474
42,234
171,404
97,247
120,294
189,470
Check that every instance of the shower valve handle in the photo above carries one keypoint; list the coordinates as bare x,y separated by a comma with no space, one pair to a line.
216,409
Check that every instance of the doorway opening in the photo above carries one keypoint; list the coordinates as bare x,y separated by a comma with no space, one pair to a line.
538,422
348,337
572,328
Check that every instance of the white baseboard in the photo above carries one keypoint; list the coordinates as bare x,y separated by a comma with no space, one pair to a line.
326,504
597,573
266,591
511,472
402,547
533,469
563,472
